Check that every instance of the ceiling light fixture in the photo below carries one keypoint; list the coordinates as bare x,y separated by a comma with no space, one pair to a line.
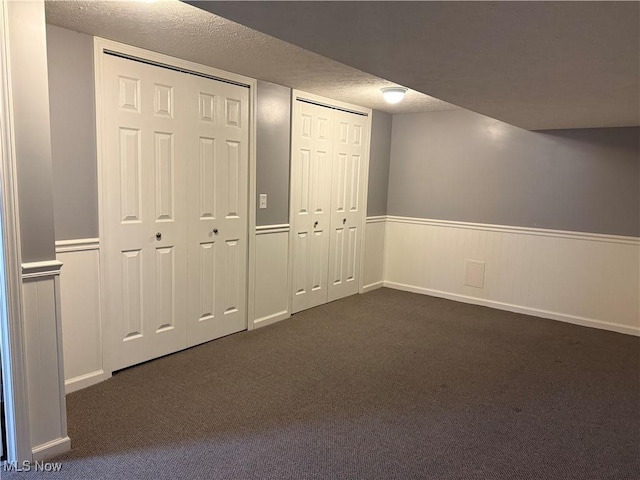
393,94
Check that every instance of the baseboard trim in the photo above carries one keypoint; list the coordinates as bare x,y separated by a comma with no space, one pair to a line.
562,317
270,319
372,286
84,381
51,449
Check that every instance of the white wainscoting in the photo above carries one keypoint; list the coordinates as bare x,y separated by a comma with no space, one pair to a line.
81,313
271,275
45,371
373,274
581,278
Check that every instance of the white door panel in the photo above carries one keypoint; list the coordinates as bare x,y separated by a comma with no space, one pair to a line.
218,209
311,165
145,131
347,210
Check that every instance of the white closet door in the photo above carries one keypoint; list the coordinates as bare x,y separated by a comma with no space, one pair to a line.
175,192
311,162
218,208
145,204
347,203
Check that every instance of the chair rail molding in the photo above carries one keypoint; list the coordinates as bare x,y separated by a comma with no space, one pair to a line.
77,245
595,237
46,268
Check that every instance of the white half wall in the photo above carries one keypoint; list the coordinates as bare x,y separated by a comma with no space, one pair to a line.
580,278
81,313
373,266
43,346
271,275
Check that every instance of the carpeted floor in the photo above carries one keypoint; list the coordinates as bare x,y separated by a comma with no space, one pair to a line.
386,385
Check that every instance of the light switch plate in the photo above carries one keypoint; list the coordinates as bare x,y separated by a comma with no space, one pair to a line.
263,200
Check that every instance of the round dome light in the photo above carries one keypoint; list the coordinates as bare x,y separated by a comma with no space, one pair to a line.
393,94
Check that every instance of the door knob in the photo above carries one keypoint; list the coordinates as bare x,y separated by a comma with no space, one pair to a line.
215,231
344,220
158,236
315,224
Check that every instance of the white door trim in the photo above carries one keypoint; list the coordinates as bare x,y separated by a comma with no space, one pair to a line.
101,44
251,232
330,103
365,197
11,315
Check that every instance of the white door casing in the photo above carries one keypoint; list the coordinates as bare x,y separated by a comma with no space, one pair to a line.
174,207
12,336
329,169
217,209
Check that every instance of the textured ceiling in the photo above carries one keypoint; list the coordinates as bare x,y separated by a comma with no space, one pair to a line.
537,65
186,32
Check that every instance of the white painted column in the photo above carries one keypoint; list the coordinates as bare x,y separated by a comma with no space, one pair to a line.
30,324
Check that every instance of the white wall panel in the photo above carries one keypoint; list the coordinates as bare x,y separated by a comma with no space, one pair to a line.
271,291
580,278
374,253
43,347
81,314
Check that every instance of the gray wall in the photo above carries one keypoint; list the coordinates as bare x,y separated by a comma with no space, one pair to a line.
73,139
459,165
379,157
273,151
273,155
72,103
28,53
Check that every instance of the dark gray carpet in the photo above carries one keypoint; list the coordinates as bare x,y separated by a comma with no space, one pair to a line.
387,385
